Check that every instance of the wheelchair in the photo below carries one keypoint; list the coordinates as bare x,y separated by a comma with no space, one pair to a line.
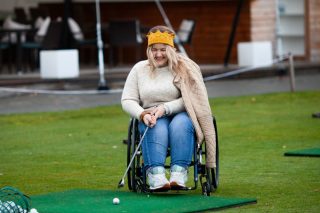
136,175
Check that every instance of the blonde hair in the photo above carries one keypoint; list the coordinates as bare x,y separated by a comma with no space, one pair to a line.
177,62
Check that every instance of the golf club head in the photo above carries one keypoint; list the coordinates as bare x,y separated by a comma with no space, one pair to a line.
121,183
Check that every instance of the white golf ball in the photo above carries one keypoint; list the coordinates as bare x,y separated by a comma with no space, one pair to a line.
116,201
33,210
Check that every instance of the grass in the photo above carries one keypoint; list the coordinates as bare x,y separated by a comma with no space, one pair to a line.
48,152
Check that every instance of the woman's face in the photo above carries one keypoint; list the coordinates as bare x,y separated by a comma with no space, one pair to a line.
159,54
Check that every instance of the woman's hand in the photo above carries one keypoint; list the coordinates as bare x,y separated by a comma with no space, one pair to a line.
149,120
158,111
150,117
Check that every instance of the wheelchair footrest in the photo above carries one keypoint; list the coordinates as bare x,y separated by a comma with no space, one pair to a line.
179,188
170,189
175,186
163,189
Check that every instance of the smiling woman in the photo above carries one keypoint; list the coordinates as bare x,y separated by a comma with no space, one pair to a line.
167,94
159,54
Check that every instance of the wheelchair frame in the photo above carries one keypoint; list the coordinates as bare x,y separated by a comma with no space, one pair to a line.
137,174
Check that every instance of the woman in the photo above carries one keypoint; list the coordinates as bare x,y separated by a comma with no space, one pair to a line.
167,94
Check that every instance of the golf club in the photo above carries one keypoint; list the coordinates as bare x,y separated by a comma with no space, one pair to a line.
121,182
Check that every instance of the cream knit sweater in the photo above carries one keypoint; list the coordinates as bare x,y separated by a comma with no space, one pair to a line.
143,90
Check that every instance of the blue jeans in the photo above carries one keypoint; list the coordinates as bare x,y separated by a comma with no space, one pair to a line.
176,132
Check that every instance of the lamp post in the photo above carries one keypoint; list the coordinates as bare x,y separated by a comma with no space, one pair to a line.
102,82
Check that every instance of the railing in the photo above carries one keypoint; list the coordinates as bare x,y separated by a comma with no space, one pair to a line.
288,57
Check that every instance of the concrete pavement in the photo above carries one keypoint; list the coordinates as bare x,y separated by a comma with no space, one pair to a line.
11,102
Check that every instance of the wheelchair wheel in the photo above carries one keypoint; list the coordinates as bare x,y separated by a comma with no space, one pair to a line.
130,150
135,177
212,174
206,189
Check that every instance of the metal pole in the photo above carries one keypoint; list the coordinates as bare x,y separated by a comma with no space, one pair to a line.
102,82
292,73
167,22
232,34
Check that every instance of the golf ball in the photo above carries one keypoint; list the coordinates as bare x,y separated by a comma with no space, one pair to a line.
116,201
33,211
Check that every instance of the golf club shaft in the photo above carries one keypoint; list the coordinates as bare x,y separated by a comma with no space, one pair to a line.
134,154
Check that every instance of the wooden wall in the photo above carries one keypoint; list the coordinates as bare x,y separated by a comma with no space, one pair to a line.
213,23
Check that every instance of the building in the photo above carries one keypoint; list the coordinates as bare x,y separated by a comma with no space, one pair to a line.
290,25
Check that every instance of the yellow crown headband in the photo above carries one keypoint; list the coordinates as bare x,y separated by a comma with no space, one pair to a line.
160,37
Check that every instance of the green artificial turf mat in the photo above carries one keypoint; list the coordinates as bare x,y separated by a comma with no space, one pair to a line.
84,201
304,152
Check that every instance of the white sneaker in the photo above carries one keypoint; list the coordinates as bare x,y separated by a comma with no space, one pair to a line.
179,177
157,179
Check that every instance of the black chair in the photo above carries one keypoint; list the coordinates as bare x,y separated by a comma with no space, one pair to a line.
209,177
78,34
5,51
21,15
124,33
86,46
5,46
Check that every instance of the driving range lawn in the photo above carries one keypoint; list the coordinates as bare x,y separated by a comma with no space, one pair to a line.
49,152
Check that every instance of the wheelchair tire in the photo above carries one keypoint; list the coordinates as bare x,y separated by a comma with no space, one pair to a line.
206,189
131,146
212,174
